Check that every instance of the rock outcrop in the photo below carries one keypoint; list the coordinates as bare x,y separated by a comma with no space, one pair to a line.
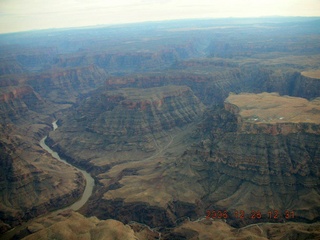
130,139
306,87
210,88
10,67
71,225
126,124
18,102
158,155
270,113
216,164
65,85
138,61
213,80
257,166
32,182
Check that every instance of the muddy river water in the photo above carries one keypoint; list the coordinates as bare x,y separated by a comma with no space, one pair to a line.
89,180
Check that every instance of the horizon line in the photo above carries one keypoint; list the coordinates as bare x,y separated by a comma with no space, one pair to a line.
106,25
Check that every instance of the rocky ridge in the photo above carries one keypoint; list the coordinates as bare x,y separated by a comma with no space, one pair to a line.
26,117
128,134
71,225
126,124
213,80
32,182
208,165
19,102
253,168
65,85
178,172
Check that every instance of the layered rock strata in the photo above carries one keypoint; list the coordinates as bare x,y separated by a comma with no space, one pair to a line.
19,102
65,85
212,81
159,171
177,170
130,139
272,114
256,161
125,125
32,182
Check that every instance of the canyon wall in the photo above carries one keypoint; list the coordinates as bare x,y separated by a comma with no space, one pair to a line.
253,167
32,181
138,110
65,85
124,124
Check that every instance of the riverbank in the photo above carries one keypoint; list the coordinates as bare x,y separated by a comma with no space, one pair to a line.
89,180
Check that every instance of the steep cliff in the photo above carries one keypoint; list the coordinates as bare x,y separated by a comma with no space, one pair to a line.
18,102
293,84
212,80
158,156
255,160
130,140
124,57
10,67
272,114
65,85
209,87
32,182
126,124
304,86
146,165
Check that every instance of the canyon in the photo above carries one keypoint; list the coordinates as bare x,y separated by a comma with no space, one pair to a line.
187,133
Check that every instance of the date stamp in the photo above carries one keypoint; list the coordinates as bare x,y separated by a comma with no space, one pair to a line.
253,214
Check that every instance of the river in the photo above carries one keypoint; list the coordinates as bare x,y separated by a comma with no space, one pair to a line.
89,180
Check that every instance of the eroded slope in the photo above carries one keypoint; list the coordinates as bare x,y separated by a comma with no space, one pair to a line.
32,182
130,140
71,225
155,167
125,125
249,167
273,114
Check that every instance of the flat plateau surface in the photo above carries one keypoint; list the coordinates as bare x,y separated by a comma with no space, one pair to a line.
135,95
273,108
311,74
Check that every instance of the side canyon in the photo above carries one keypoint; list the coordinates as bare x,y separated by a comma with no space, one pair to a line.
176,125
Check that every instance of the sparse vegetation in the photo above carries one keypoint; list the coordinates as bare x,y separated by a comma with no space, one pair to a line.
141,107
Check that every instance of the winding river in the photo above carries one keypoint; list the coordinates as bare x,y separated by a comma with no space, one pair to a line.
89,180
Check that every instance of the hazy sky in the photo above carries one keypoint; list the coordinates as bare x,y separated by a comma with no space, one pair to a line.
21,15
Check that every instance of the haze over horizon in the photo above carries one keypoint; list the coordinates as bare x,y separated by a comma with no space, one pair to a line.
17,15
